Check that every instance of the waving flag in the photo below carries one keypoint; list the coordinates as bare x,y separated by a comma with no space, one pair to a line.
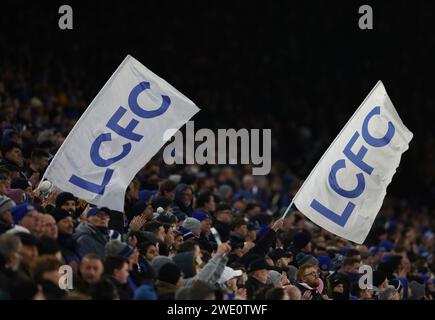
121,130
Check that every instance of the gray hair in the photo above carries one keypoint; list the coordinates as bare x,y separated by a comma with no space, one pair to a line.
9,244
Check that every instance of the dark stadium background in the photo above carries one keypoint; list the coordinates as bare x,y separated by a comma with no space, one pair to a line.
282,65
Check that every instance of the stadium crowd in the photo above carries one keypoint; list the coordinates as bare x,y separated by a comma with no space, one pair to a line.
189,231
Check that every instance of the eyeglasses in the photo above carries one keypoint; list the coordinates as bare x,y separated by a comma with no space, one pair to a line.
314,274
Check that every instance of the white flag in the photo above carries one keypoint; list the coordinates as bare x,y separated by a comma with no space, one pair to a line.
121,130
344,192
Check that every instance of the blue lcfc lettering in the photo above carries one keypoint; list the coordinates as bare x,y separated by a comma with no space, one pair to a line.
95,156
134,106
90,186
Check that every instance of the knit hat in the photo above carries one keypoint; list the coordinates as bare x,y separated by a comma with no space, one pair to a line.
118,248
20,211
17,195
95,210
63,197
192,224
170,273
274,278
159,261
301,239
200,215
6,204
162,202
60,214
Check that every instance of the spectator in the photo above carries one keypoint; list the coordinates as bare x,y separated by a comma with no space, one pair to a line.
68,245
257,279
90,273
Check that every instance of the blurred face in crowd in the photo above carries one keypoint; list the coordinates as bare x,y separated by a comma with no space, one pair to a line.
91,270
151,253
197,258
69,206
311,277
28,254
66,225
252,235
49,226
121,274
261,275
101,219
186,197
15,156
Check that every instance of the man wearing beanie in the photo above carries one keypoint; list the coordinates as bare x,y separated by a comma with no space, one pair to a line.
6,219
68,246
169,280
301,243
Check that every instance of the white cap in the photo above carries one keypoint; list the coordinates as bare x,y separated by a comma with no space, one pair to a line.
228,274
